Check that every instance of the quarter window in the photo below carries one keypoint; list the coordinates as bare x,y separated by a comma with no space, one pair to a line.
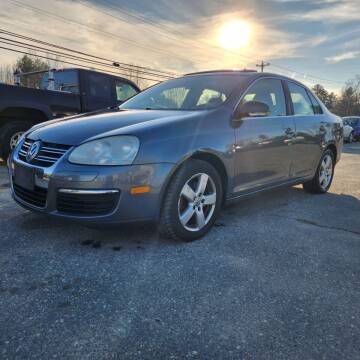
316,106
270,92
300,99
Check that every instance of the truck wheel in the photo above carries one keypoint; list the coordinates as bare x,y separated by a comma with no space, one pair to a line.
10,133
192,202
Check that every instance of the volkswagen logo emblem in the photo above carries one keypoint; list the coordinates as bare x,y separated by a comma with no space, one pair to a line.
33,150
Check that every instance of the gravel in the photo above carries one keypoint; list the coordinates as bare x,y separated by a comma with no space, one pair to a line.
277,278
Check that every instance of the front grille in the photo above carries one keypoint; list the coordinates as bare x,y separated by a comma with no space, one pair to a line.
36,197
86,204
48,155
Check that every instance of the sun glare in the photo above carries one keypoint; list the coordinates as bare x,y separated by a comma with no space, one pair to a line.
234,35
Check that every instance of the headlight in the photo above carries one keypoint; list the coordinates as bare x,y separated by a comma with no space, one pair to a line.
115,150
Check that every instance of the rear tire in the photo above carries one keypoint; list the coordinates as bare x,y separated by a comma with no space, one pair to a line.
8,135
192,201
322,180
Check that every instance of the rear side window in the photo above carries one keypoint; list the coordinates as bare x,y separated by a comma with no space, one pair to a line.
67,81
270,92
316,106
300,99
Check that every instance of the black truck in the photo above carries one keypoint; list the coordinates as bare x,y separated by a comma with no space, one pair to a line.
57,93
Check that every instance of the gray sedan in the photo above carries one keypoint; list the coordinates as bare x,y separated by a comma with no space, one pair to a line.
176,152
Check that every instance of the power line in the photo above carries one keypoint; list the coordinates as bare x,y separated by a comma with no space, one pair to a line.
143,19
162,33
94,29
307,76
9,33
74,64
62,54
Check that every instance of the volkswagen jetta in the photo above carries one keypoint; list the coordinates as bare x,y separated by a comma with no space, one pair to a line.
176,152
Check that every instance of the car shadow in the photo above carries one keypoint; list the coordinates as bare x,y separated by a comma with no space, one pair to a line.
297,205
292,203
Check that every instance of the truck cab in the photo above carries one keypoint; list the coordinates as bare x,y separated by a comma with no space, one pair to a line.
41,96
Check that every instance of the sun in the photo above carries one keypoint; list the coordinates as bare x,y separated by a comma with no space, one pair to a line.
234,34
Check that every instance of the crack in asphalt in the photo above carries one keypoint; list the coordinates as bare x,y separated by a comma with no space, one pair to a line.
304,221
314,223
326,226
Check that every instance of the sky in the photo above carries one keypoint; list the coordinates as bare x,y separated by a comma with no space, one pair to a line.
306,40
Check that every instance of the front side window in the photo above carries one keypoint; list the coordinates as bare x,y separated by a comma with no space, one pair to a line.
124,91
197,92
270,92
99,86
300,99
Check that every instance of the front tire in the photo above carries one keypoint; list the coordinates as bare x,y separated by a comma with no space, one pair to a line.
192,201
322,180
10,133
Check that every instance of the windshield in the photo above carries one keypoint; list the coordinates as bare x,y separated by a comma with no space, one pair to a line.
187,93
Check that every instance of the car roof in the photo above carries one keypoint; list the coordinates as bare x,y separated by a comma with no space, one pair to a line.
250,74
100,73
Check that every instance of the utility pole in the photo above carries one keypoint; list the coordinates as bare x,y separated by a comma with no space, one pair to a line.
262,65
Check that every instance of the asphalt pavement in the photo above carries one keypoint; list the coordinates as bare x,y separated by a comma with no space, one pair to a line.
278,277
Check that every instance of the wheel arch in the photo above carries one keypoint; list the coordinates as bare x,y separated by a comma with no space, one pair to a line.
333,148
19,113
209,157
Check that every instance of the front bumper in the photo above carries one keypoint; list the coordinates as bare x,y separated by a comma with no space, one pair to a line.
92,185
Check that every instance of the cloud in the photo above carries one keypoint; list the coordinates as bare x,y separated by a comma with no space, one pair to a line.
183,38
185,47
341,57
340,11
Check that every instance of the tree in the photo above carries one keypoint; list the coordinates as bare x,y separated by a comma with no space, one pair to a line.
329,99
6,74
30,63
332,101
321,93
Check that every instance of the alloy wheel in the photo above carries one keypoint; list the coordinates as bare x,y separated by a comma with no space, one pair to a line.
197,202
326,171
15,139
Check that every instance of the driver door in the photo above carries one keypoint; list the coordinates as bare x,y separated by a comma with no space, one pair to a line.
263,144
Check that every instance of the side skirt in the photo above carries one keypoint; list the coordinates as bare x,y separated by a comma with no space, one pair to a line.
250,193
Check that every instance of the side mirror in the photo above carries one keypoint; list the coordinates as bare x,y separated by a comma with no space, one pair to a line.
252,109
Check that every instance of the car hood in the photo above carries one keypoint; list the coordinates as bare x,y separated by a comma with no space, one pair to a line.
77,130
